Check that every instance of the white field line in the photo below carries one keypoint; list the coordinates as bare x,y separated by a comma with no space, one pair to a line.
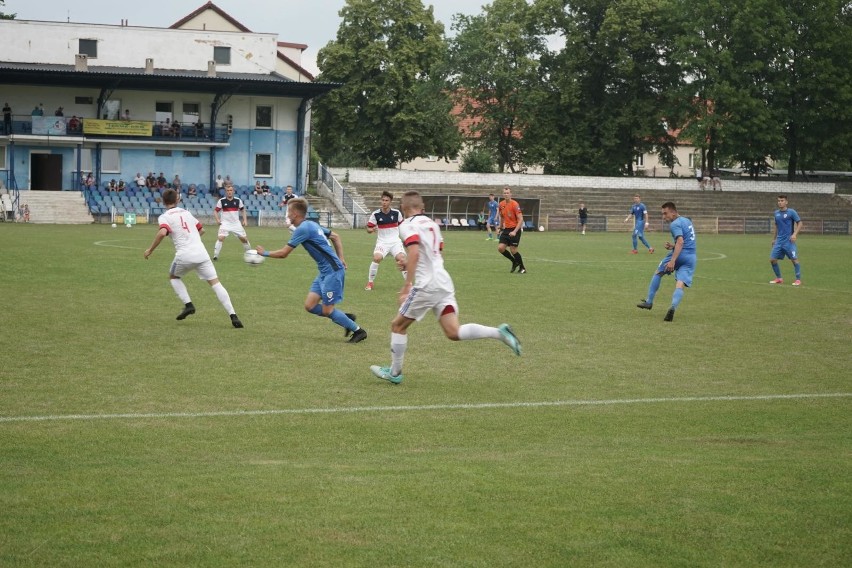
423,408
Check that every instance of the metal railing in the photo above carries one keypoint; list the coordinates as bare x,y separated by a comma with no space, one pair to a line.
343,198
62,126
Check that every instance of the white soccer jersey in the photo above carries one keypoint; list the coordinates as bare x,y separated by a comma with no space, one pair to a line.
430,273
184,230
229,212
387,225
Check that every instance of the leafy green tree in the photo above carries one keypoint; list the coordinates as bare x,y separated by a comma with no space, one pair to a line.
393,105
494,59
4,16
607,91
477,160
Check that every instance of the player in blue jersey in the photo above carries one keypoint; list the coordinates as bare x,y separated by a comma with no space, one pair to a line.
493,221
680,261
640,214
328,285
785,231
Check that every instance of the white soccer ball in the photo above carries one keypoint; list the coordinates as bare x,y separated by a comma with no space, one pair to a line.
541,228
251,257
114,225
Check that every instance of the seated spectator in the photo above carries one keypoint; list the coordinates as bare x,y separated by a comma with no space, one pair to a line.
151,181
199,128
166,127
257,189
161,181
126,115
265,189
74,123
176,129
90,181
121,185
176,183
59,112
192,189
140,180
112,185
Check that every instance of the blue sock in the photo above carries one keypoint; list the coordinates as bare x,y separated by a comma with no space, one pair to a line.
677,297
635,242
777,270
644,242
652,289
798,268
316,310
340,319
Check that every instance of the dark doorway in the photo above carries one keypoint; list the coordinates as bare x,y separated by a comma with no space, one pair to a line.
46,172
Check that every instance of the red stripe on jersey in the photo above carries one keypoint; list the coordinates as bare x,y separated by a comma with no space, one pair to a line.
412,240
389,226
198,226
166,227
228,209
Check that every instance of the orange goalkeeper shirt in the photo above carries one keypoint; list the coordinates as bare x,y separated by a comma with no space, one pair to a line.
510,212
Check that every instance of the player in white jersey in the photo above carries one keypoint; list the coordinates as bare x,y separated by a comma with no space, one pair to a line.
190,254
428,287
227,213
385,221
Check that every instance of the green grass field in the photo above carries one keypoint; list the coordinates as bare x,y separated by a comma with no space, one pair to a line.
130,439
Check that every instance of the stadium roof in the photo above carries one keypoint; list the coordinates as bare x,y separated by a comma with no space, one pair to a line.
135,78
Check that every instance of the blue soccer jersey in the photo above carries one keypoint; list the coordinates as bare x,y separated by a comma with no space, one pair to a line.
492,211
314,238
638,211
682,227
785,223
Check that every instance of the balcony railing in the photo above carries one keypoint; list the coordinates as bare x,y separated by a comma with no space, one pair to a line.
63,126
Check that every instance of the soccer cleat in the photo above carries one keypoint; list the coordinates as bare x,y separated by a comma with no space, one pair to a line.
515,265
644,305
669,315
651,250
522,271
509,338
188,310
235,321
384,373
777,281
634,251
797,283
358,335
369,286
348,332
215,258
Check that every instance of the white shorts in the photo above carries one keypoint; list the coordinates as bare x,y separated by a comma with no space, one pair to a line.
225,230
419,302
384,249
205,269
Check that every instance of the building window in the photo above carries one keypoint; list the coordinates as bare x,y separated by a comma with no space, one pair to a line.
191,154
2,157
191,112
693,160
88,47
83,100
163,153
431,158
263,165
110,161
85,159
222,55
263,116
640,161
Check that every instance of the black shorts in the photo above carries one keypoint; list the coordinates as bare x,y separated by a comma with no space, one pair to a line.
507,239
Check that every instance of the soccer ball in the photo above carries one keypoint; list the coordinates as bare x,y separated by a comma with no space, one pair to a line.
251,257
541,228
113,225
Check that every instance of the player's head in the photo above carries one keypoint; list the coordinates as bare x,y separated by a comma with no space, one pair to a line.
637,198
229,191
411,203
297,210
669,211
289,189
507,193
170,197
782,202
491,197
387,198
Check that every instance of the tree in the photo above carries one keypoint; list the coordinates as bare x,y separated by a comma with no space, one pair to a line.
607,91
392,105
494,59
4,16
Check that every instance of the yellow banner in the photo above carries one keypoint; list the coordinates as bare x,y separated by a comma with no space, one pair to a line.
117,127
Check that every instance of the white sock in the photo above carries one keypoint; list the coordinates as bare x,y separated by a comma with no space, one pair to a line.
180,289
217,248
374,269
223,296
246,245
475,331
399,343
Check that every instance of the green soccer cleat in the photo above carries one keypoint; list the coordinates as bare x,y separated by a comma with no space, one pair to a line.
384,373
509,338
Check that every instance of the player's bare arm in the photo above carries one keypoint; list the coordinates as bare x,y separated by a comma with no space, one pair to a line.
337,243
678,246
158,238
280,253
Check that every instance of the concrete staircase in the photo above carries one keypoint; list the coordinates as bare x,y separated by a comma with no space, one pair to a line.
56,207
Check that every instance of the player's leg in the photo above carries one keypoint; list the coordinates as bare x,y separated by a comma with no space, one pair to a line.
793,255
244,239
399,259
774,256
503,246
330,293
374,268
217,248
176,271
207,272
635,240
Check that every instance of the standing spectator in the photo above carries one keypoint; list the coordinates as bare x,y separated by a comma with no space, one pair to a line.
7,119
230,208
327,287
126,115
429,287
640,214
680,261
716,179
511,226
698,177
25,213
199,128
59,112
218,186
785,232
493,223
176,132
166,127
583,215
38,111
190,254
385,221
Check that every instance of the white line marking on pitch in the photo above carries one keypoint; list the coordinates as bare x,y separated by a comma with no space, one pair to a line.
106,244
420,408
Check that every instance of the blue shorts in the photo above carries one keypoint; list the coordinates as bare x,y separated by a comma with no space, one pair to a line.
639,230
788,249
492,221
329,287
684,268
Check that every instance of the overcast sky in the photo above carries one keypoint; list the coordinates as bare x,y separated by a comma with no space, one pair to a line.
311,22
